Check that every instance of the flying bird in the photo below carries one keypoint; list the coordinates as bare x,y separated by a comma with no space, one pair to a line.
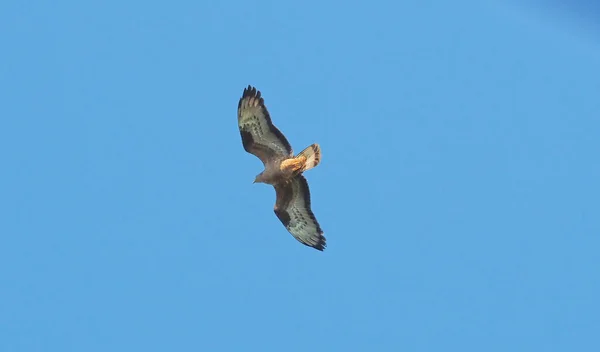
282,169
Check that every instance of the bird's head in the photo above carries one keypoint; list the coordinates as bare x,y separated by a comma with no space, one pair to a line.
258,178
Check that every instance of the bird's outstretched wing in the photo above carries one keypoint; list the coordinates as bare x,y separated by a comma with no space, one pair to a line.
259,136
292,207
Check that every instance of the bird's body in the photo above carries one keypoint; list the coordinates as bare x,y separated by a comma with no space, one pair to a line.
282,169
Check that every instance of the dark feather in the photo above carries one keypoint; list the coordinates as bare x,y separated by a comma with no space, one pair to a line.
265,144
296,214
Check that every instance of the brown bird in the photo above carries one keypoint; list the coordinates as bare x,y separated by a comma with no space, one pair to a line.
282,170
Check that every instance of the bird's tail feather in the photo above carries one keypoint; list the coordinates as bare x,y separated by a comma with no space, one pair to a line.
312,156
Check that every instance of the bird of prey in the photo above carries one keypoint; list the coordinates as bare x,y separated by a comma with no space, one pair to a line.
282,169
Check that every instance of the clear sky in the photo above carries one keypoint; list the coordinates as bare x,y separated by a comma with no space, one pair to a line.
458,190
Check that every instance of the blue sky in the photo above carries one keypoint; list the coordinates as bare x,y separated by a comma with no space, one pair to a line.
458,189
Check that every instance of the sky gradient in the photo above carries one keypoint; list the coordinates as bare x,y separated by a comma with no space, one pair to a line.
458,188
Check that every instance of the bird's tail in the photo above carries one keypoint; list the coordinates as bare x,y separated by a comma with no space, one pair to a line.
311,156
